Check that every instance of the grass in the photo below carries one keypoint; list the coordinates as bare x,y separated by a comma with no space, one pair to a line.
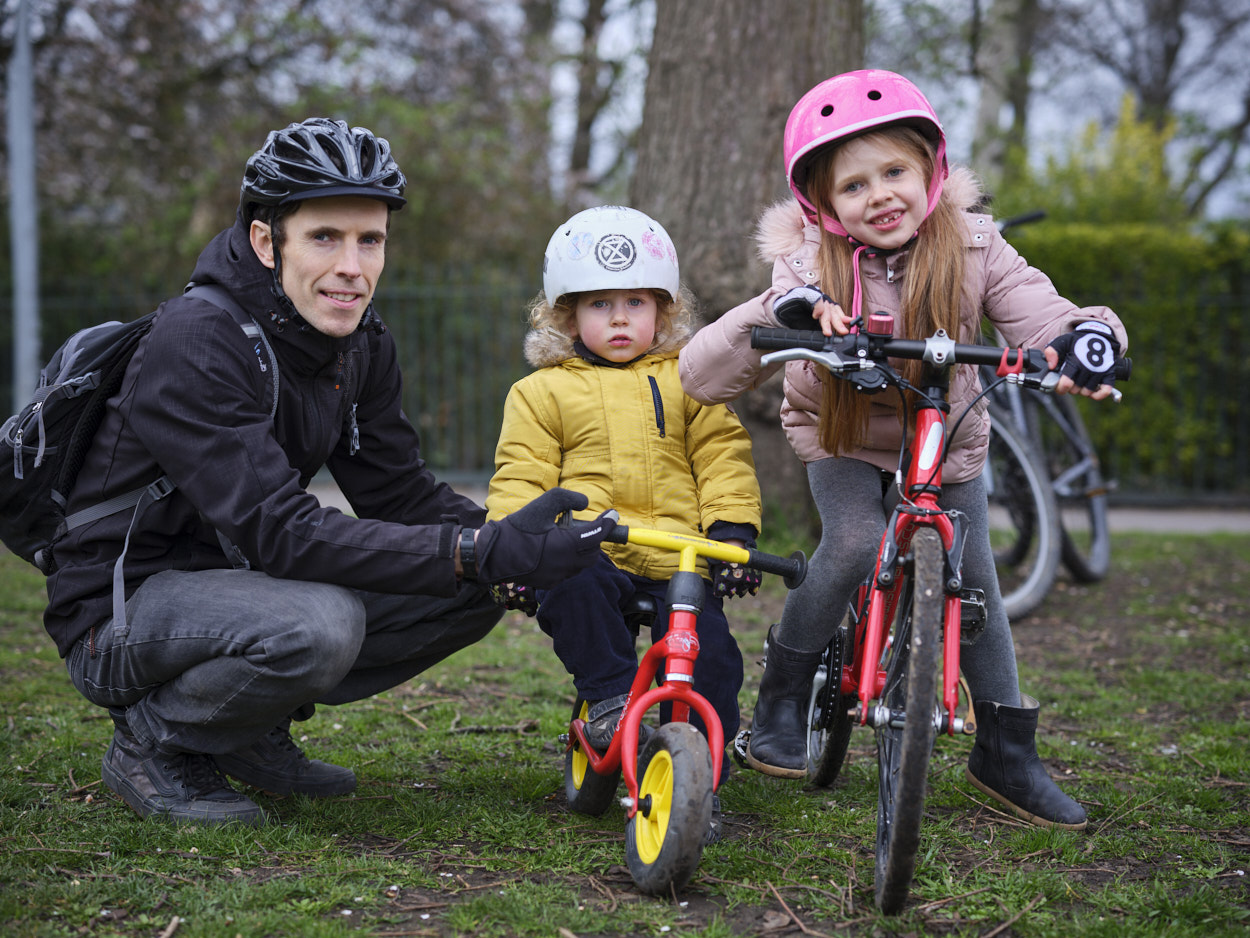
459,825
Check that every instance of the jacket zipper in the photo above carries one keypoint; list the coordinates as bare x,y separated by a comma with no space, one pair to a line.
659,405
353,428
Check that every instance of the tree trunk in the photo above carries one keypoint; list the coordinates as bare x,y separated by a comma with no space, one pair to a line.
722,78
1003,60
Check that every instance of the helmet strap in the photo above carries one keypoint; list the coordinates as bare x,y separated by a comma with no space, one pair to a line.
857,299
285,310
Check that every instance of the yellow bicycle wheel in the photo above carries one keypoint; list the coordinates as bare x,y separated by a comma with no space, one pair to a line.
664,839
587,792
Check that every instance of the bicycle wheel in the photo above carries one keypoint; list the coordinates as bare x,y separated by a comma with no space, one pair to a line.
905,739
829,722
664,838
1080,489
1024,518
587,791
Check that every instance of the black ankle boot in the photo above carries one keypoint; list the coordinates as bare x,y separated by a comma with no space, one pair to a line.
1004,765
778,743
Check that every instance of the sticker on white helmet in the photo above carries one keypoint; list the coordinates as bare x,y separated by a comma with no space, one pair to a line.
615,252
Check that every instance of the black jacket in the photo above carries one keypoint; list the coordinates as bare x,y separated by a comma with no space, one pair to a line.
195,405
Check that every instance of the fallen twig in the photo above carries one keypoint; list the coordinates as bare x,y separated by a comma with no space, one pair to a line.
525,726
1037,900
794,918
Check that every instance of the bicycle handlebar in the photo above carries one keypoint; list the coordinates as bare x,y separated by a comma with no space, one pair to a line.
862,350
791,569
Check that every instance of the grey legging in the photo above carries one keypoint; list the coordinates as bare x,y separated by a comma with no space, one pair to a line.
848,494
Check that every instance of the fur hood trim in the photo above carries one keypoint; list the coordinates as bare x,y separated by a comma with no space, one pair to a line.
547,347
781,229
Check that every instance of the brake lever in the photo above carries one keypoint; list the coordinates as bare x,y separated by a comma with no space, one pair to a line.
832,360
1047,382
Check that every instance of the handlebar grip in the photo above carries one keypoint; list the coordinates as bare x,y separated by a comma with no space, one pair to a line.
619,534
767,337
1123,369
792,569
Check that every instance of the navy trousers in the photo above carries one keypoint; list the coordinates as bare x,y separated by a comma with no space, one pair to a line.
585,618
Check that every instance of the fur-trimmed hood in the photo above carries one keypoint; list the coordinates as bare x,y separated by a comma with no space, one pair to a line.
782,228
547,346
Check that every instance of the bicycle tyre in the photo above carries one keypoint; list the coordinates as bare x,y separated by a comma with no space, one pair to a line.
664,839
1024,518
904,746
587,791
1080,488
829,722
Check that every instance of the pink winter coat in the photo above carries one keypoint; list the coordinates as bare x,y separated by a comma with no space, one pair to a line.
719,364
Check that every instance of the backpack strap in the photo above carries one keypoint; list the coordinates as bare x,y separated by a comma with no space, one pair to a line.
142,497
218,296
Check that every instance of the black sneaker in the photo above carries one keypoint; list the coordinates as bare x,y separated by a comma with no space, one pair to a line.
602,719
186,787
275,764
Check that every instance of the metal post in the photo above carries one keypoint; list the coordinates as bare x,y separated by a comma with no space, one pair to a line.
23,216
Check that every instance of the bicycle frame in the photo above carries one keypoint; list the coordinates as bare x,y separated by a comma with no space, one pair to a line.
923,487
674,655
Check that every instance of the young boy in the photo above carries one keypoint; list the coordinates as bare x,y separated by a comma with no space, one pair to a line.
605,414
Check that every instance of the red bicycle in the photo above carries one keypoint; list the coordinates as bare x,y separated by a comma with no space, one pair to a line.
893,662
671,781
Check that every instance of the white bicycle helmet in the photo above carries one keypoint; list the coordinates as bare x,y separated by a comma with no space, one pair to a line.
610,247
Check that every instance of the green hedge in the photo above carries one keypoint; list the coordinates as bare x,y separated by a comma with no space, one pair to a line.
1184,425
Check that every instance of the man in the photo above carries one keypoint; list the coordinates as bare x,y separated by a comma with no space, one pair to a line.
246,601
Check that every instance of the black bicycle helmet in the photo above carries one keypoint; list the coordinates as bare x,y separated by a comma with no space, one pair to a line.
318,158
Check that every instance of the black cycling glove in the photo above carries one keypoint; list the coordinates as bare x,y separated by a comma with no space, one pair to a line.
529,548
793,308
515,596
1088,354
733,579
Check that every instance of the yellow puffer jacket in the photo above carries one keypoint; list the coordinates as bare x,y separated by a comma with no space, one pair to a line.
627,438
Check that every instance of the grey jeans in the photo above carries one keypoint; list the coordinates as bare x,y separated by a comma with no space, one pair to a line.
849,495
209,661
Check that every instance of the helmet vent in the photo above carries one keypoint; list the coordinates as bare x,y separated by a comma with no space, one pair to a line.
826,110
874,96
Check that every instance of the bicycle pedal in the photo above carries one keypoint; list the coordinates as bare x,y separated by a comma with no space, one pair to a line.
971,615
740,748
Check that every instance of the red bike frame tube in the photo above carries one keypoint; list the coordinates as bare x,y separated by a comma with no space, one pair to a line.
924,483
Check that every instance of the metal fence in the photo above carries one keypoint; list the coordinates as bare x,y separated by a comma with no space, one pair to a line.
1183,431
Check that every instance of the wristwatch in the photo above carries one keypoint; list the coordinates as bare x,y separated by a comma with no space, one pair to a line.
468,553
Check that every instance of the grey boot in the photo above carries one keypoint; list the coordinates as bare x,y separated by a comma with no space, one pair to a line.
778,742
1004,765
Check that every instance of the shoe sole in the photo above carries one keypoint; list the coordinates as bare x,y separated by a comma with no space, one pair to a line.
145,809
284,789
1019,812
776,771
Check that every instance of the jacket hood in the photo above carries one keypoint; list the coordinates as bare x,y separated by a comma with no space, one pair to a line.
781,229
230,261
546,346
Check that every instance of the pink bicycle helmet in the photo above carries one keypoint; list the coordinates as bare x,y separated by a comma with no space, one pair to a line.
854,103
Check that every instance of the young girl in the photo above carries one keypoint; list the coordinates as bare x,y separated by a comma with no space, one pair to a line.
605,414
880,223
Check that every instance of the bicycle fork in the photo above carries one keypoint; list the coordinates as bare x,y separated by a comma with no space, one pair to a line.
676,653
